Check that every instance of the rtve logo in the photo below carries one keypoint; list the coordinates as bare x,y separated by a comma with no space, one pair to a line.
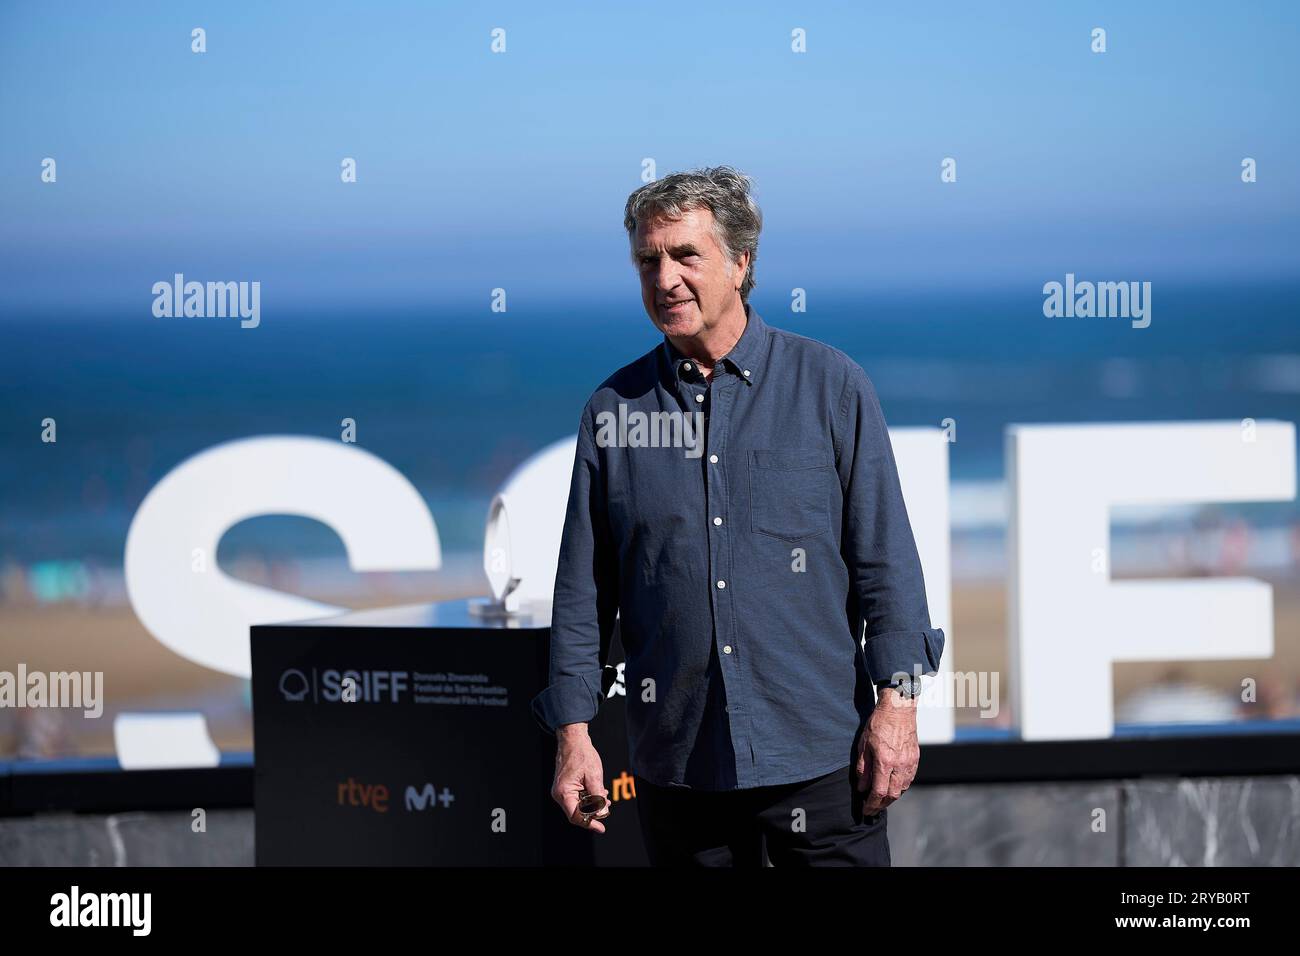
352,793
622,787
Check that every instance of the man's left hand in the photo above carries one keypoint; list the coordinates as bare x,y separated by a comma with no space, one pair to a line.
888,751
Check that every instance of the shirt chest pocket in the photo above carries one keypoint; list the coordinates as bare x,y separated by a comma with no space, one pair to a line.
789,493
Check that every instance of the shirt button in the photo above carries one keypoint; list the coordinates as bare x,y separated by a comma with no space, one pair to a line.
717,521
726,708
722,584
714,459
727,649
745,373
687,366
699,397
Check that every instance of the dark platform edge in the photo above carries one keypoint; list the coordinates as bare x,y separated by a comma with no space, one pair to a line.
99,785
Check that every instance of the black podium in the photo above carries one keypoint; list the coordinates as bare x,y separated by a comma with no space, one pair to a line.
403,736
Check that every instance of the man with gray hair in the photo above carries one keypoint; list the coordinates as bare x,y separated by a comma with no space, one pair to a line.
745,577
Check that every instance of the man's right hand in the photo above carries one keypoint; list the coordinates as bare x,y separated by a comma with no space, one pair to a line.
578,768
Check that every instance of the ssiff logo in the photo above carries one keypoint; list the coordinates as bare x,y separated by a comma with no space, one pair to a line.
294,684
349,686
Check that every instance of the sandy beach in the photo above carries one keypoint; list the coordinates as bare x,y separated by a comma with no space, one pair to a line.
141,675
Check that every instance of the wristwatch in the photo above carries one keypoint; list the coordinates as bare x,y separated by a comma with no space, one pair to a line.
907,686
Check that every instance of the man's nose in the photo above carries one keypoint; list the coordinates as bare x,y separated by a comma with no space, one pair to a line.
666,275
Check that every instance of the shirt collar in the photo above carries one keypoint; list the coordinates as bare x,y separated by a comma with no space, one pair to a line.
744,357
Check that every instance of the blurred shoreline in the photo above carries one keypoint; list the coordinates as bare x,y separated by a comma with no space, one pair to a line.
1152,541
98,631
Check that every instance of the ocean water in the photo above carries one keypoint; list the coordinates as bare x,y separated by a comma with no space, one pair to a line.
455,399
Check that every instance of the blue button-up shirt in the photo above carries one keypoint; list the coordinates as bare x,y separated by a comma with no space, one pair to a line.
745,567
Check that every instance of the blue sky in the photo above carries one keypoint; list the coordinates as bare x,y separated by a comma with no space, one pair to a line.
478,170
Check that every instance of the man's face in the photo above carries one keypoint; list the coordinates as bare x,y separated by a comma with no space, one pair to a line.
687,282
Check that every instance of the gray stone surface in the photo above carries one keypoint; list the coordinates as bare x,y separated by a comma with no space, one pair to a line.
1006,825
1196,822
127,839
1213,822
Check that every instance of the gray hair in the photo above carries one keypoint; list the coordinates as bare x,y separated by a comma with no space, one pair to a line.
722,190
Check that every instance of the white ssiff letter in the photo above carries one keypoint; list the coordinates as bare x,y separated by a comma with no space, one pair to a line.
383,521
1068,625
921,455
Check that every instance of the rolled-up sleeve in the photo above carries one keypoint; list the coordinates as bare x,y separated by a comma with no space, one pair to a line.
586,597
877,543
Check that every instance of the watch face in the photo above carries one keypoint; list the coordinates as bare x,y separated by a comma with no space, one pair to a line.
907,687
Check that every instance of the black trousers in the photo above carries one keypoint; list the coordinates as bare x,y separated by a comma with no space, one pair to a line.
815,822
